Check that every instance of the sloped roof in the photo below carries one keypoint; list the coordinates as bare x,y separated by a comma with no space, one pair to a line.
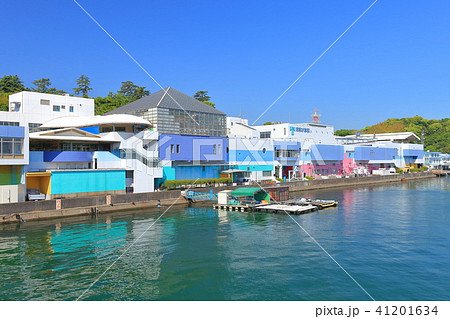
165,98
246,191
70,134
400,136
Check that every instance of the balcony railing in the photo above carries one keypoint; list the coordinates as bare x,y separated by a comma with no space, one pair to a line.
146,160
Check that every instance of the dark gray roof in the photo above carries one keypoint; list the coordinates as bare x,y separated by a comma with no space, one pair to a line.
165,98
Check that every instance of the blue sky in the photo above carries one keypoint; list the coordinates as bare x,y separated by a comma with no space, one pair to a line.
393,63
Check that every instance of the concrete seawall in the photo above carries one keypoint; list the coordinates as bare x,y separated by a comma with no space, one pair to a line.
14,212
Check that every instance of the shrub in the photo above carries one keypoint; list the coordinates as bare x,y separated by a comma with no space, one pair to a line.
190,182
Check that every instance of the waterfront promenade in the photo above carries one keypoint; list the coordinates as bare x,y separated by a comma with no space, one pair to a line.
38,210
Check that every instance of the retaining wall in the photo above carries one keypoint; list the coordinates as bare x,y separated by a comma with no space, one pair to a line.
82,205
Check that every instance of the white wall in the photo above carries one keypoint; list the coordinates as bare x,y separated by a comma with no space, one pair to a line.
31,110
317,133
12,193
143,176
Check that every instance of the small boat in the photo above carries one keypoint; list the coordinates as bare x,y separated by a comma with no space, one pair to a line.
320,203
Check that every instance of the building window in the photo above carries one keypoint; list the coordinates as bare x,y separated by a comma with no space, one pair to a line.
264,134
18,146
34,127
45,102
71,109
15,106
7,146
172,150
214,149
11,147
267,173
56,108
203,168
178,148
284,131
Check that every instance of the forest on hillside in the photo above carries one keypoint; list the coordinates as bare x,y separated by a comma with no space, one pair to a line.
128,92
436,132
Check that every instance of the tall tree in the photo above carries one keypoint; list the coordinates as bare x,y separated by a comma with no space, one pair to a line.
202,96
133,92
83,87
42,85
11,84
55,91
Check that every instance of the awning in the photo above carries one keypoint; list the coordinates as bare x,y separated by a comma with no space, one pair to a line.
38,174
246,191
232,170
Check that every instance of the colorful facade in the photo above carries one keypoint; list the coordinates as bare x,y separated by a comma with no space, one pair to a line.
191,157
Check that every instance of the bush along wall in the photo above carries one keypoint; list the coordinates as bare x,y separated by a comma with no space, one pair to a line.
187,183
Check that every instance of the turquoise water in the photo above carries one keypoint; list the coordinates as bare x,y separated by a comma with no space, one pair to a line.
394,240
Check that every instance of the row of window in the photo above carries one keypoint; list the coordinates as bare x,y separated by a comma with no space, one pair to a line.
4,123
79,147
175,148
326,171
11,146
47,102
264,134
57,108
286,153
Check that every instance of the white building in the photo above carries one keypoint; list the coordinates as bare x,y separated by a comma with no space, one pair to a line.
250,158
314,133
121,148
35,108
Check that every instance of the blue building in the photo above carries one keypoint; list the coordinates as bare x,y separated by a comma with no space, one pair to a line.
13,159
191,157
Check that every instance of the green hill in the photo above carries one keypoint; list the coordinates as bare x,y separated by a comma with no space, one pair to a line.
437,132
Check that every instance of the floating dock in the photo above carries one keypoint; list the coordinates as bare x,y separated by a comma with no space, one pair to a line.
268,208
291,209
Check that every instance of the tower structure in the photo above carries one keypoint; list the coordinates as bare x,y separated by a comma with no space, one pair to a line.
315,117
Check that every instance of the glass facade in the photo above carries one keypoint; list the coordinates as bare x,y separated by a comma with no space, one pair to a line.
177,121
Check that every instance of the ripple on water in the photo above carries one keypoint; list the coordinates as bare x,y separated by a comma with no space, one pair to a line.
392,239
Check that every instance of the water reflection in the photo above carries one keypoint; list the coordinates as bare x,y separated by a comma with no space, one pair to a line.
393,239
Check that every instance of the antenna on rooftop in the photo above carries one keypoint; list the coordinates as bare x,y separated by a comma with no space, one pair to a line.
315,117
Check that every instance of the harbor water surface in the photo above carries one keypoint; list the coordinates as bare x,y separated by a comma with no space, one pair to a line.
394,240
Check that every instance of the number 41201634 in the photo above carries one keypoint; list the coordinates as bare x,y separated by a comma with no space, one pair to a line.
407,310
